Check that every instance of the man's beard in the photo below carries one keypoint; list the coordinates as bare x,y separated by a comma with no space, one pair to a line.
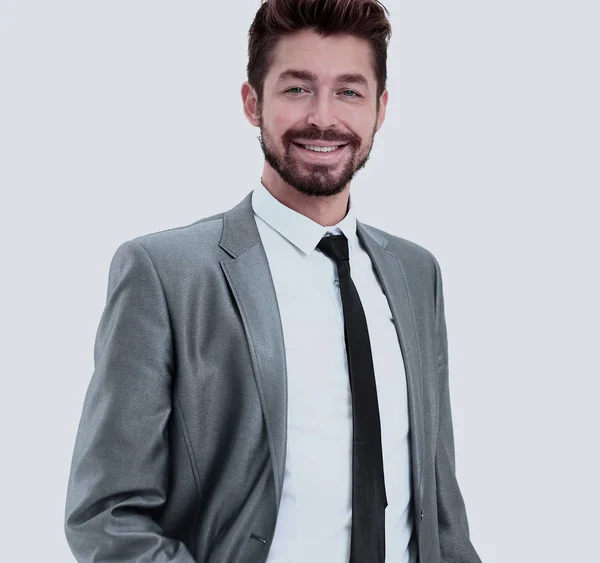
320,179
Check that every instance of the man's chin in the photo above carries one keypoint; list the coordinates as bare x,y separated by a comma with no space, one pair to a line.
311,179
319,180
316,187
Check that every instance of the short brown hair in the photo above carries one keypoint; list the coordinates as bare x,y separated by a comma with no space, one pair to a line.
366,19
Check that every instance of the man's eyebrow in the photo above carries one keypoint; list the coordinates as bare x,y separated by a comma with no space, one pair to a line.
350,78
353,79
298,74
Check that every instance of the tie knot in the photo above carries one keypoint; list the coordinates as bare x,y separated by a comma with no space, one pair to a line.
335,247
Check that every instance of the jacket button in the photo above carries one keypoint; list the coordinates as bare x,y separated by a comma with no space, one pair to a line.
422,512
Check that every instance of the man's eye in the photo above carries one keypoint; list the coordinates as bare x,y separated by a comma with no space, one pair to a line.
295,88
353,94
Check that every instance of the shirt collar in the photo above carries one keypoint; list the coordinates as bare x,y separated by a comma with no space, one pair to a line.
301,231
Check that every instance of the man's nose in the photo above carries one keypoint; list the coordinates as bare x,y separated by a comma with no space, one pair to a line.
322,112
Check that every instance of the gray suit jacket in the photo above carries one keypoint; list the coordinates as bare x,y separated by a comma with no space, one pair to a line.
180,451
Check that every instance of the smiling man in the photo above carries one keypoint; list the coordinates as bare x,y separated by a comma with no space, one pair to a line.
322,105
271,383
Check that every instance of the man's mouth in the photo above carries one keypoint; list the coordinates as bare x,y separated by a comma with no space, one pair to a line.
321,149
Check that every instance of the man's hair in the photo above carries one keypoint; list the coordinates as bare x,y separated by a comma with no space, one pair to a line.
366,19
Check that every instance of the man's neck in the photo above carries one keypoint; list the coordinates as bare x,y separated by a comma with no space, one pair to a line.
326,211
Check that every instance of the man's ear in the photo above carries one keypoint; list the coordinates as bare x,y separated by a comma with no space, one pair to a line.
383,100
250,102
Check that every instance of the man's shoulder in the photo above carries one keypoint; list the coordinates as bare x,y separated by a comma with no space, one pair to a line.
419,266
400,247
183,234
176,248
202,237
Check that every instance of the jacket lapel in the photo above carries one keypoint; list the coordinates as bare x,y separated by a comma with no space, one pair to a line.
249,277
390,272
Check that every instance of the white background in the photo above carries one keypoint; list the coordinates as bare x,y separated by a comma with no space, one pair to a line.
122,118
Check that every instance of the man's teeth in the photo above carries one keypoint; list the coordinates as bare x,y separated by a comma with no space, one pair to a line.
321,149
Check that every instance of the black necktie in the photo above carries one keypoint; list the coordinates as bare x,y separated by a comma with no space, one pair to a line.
368,487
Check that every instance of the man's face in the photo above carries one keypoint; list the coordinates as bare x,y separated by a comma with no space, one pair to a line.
320,92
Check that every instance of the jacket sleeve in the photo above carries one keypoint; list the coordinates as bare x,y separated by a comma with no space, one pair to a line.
119,472
455,544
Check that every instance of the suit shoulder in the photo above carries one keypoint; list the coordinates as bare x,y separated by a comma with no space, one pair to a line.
418,263
199,235
402,247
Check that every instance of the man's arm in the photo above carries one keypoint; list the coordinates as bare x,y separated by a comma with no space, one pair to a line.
119,472
455,544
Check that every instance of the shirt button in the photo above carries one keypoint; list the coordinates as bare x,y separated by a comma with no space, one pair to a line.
337,283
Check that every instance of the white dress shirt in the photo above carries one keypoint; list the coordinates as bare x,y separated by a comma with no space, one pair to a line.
315,514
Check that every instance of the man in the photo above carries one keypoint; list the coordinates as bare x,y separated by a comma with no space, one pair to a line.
271,383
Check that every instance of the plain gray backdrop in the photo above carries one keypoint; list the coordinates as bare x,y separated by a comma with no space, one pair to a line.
122,118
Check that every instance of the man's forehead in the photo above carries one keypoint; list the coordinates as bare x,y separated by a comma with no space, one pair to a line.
310,56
